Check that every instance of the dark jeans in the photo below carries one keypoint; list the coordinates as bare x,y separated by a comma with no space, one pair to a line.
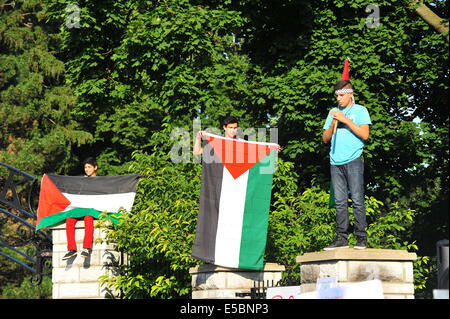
349,178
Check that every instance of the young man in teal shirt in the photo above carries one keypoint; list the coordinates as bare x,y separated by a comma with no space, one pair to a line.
347,127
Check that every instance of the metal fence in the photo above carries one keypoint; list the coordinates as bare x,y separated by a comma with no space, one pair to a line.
19,240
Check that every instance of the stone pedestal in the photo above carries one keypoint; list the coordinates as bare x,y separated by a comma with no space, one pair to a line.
215,282
394,268
77,277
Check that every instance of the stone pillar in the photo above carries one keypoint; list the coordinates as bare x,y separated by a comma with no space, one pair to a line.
394,268
78,278
215,282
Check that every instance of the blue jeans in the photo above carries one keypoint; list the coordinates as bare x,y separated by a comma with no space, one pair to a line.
349,178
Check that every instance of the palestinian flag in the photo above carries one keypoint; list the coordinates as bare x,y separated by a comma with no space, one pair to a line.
76,196
234,202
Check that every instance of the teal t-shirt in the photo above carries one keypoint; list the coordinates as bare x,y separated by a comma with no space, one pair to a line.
346,145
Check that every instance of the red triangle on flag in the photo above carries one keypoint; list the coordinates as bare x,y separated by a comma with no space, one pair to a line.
238,156
51,200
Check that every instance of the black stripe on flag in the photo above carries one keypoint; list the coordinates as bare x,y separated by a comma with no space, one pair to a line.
98,185
211,187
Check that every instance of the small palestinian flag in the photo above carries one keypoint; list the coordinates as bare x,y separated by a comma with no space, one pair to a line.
234,202
76,196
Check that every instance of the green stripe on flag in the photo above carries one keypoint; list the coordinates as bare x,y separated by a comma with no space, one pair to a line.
256,214
331,201
58,218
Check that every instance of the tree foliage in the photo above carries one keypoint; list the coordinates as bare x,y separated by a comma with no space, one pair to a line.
38,131
27,291
133,71
157,237
302,221
139,64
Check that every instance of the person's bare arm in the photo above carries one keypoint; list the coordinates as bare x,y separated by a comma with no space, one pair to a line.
198,149
328,133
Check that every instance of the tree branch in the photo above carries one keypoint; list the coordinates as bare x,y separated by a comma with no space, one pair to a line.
439,24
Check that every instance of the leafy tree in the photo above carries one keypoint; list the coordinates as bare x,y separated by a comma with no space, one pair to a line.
38,132
303,222
138,69
399,69
158,235
27,291
439,24
141,64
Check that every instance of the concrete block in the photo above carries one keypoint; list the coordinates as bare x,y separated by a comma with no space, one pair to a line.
79,290
397,296
107,293
358,254
309,273
55,291
205,281
56,260
408,272
336,269
384,271
394,268
59,237
398,288
218,294
307,287
274,276
243,280
79,277
60,248
91,274
211,281
214,280
66,275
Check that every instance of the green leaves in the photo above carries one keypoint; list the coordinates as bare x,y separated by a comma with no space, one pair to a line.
158,235
303,222
134,70
38,131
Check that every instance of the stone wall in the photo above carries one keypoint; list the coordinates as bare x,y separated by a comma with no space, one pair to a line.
215,282
394,268
78,278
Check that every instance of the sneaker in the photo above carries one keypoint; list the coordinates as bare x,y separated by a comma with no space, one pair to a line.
339,242
86,252
70,254
361,243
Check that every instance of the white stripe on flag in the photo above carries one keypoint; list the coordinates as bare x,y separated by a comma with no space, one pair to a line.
109,202
231,216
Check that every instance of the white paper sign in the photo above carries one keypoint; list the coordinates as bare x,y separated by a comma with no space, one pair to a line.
372,289
326,283
288,292
440,294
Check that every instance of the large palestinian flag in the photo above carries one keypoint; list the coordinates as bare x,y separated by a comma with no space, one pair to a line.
76,196
234,202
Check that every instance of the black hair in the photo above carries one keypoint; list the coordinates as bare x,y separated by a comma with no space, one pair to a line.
90,160
343,84
229,119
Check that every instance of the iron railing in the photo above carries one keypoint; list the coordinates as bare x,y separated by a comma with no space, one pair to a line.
19,240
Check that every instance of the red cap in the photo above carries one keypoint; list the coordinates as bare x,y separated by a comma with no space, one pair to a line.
345,73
